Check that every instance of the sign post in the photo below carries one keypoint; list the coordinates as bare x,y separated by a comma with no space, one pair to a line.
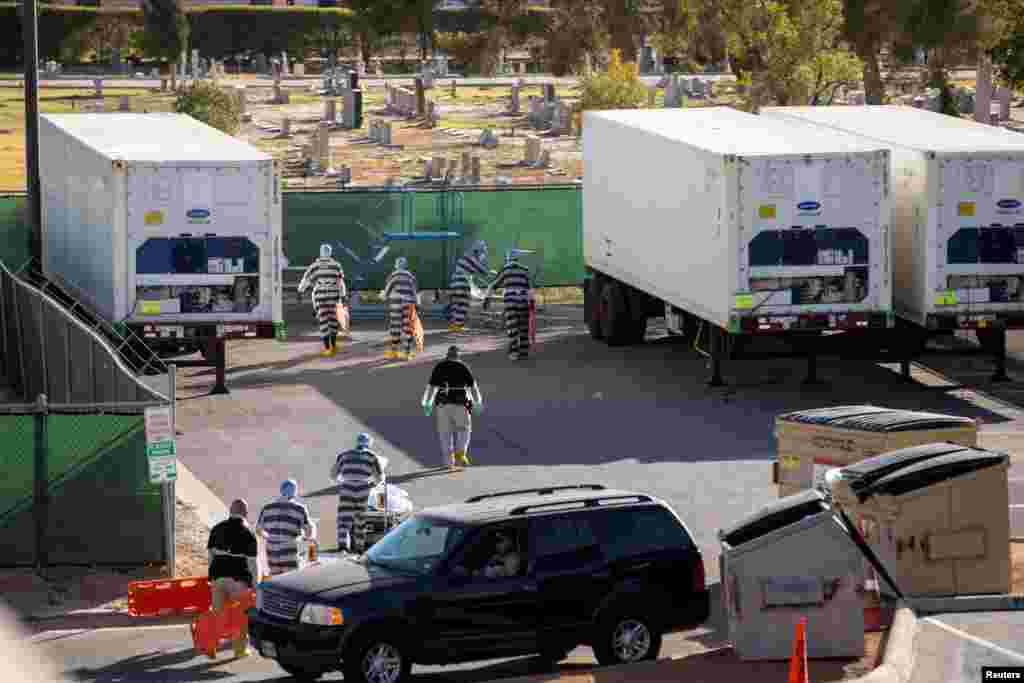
160,445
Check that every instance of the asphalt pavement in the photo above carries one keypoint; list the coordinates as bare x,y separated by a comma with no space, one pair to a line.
578,411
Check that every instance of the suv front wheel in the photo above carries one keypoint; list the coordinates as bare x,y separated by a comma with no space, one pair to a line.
377,657
624,638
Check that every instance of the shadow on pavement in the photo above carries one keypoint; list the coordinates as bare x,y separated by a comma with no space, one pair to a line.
157,666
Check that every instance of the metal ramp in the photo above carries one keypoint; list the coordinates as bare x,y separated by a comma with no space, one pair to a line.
132,350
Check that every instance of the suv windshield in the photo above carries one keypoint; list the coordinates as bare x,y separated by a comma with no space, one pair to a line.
416,545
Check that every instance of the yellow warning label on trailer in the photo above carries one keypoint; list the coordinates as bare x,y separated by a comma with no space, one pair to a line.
789,462
153,218
744,301
965,209
766,211
946,298
150,307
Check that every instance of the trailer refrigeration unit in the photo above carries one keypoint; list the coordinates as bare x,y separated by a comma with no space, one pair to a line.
163,224
958,221
735,224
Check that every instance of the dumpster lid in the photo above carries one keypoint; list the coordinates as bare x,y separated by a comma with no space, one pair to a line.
786,511
868,418
934,471
866,472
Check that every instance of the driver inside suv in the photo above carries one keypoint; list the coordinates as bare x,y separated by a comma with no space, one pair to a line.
505,560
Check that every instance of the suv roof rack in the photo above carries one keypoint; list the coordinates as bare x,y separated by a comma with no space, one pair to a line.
587,502
545,491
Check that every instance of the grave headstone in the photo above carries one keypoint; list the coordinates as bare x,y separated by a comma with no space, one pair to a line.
514,103
652,95
545,159
421,97
467,163
488,140
385,133
286,127
437,167
428,169
116,62
378,67
1004,97
709,89
433,114
697,88
194,64
330,110
242,100
549,93
324,145
285,70
532,153
858,98
124,103
97,85
474,175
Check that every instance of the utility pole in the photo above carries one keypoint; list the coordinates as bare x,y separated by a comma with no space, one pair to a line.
30,31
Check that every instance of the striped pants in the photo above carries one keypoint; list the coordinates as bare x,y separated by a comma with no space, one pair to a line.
282,554
400,326
351,518
459,305
326,304
517,324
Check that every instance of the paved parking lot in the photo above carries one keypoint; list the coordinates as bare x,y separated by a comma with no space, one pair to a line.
577,411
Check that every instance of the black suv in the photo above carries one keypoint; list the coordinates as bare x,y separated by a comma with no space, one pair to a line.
502,575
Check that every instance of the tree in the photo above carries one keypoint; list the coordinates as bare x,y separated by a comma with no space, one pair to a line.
790,50
674,27
573,33
868,26
332,34
166,29
466,49
211,105
372,22
1008,56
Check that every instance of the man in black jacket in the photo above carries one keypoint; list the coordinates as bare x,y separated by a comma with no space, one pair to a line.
234,564
449,389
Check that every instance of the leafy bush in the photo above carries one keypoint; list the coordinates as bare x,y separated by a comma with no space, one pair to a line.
211,105
619,87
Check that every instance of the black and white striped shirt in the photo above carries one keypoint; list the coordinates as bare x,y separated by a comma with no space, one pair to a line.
326,276
284,521
514,278
357,466
401,287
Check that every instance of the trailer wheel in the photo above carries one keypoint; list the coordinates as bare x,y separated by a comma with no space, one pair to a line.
617,325
593,302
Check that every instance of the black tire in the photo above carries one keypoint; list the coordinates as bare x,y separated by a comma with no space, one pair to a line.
988,340
619,326
300,673
593,303
646,644
375,643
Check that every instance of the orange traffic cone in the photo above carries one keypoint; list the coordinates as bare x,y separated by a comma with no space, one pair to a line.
798,662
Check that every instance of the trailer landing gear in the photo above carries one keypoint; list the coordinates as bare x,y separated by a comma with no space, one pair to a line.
717,351
812,378
214,355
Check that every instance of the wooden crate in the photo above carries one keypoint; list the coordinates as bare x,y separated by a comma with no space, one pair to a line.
803,442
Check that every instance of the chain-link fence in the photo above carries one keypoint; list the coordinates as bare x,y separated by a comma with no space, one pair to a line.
76,487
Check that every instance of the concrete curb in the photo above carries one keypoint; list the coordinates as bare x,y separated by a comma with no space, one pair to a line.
968,603
898,660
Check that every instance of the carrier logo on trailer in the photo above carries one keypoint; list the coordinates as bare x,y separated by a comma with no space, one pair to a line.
1008,206
198,215
809,208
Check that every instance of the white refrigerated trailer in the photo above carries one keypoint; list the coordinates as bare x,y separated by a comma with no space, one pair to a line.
732,223
162,224
958,215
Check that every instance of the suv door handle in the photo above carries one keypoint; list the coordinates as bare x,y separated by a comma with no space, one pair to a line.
602,574
638,567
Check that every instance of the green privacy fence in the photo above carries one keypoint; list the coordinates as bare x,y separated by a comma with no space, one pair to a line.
100,507
545,219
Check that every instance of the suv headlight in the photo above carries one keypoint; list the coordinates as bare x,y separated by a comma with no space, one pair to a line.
321,615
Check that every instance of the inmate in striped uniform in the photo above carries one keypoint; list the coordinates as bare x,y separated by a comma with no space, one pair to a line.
473,262
359,471
400,293
328,280
284,521
514,278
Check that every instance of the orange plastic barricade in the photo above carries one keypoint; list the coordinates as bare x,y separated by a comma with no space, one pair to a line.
169,596
230,623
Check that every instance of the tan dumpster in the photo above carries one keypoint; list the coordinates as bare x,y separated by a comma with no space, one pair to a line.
941,526
844,435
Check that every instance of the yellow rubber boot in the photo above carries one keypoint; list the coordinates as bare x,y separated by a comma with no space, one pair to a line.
462,458
391,354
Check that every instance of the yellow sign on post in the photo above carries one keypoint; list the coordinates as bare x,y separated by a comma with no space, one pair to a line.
946,298
744,301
